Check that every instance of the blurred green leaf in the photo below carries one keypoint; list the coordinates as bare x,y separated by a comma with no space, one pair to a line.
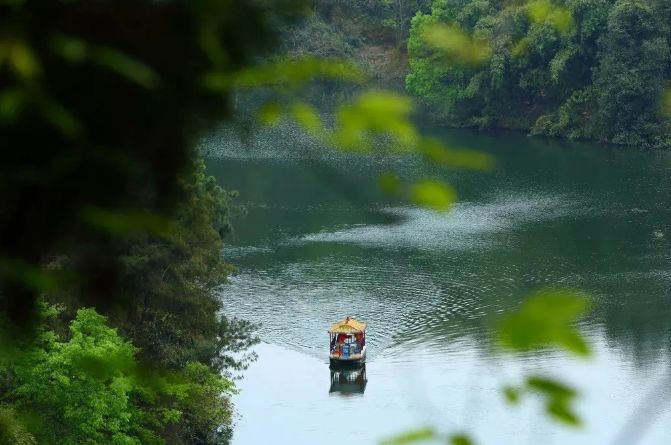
511,394
77,50
307,117
270,113
389,182
433,194
285,73
60,118
375,113
410,437
521,48
126,66
13,3
12,101
457,44
666,102
558,398
124,222
435,151
104,367
545,11
550,387
70,48
562,412
209,41
21,58
546,319
29,275
460,439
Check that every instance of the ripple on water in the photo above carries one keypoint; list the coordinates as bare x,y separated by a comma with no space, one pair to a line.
409,280
467,226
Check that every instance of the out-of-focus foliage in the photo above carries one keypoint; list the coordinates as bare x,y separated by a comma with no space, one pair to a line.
373,114
586,69
99,105
285,73
436,152
557,397
427,435
460,439
666,102
381,122
410,437
456,45
433,194
546,319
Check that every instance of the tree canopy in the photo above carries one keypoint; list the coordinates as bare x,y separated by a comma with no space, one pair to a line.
583,69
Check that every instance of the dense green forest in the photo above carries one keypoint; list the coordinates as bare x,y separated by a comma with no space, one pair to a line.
578,69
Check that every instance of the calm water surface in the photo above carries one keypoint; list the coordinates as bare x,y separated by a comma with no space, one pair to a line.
321,242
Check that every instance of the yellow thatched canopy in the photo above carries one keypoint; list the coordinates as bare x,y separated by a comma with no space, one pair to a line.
347,326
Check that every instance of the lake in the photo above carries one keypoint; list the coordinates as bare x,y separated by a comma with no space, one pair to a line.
321,242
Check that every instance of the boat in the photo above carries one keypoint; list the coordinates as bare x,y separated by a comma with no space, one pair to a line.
347,340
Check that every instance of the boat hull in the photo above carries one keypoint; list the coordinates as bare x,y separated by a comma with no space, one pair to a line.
353,360
347,362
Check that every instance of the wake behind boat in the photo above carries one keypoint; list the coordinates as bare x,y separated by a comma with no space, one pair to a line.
347,339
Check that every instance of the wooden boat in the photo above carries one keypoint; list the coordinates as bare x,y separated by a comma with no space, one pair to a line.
347,340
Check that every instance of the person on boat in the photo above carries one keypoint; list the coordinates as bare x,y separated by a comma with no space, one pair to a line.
336,343
359,341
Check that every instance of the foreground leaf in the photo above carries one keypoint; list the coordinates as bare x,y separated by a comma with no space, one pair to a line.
410,437
433,194
546,319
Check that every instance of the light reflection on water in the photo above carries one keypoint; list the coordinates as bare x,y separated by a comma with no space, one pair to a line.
430,286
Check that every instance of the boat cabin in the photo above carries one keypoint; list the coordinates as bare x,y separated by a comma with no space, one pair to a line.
347,340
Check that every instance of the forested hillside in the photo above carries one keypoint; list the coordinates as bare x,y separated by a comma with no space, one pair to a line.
592,69
373,33
579,69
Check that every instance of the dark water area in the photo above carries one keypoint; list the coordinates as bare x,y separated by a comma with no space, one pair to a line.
321,242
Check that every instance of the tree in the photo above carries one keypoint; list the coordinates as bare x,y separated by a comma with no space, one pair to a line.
180,273
89,389
82,387
633,72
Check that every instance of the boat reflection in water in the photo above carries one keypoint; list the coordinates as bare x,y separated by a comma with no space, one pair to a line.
348,381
